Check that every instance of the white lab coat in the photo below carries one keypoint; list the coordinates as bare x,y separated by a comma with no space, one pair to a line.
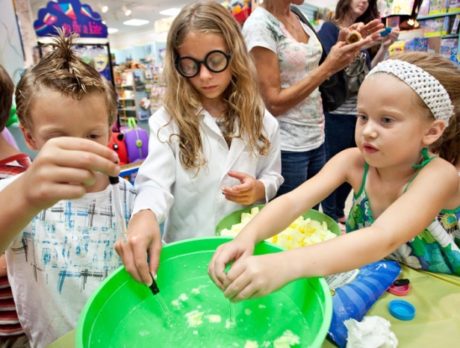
191,203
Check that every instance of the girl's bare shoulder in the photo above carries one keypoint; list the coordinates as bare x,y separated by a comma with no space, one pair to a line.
352,162
447,177
440,168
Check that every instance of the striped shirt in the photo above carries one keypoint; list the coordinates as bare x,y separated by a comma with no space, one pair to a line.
9,322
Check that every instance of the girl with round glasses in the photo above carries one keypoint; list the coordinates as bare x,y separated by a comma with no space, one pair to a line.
213,148
215,61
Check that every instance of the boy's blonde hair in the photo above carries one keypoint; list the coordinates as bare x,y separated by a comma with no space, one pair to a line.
242,96
448,74
63,71
6,96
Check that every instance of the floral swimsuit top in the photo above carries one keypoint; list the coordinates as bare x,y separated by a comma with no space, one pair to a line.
435,249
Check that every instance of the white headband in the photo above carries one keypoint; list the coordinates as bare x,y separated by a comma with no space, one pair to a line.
427,87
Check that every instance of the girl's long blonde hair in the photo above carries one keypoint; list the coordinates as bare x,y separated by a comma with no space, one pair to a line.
242,97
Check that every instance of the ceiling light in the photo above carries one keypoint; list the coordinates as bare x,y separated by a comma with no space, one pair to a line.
104,8
126,11
112,30
173,11
136,22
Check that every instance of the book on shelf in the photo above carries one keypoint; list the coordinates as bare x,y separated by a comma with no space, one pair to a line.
438,7
449,49
454,5
127,79
438,26
419,44
455,25
424,9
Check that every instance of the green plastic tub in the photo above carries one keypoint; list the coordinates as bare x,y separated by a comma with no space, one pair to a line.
190,311
235,218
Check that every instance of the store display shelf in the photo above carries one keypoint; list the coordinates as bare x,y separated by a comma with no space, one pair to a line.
450,36
438,15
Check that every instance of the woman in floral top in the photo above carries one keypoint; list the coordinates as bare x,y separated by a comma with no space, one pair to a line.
287,54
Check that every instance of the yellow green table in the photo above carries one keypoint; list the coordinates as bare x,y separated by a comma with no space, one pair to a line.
437,319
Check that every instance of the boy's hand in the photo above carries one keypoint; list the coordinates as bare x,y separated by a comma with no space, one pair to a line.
65,168
143,242
248,192
225,254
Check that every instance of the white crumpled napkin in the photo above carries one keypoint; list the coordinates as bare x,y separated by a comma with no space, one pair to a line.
371,332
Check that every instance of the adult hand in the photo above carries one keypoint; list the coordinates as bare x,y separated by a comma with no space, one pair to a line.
249,191
142,243
343,54
390,38
370,30
65,168
256,276
237,249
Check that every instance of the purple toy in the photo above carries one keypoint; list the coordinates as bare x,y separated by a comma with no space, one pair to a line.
137,141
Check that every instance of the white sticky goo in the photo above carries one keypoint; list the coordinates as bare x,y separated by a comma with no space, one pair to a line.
194,318
183,297
287,340
214,318
299,233
251,344
229,324
196,291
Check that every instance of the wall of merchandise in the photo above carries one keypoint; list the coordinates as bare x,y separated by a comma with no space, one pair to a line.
436,29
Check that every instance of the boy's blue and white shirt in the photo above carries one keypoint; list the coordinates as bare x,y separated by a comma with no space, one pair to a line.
61,258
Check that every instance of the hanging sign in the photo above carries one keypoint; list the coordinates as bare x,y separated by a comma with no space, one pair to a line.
72,16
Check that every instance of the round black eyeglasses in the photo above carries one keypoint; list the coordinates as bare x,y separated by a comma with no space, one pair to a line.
215,61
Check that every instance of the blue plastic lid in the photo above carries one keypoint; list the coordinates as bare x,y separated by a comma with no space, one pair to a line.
401,309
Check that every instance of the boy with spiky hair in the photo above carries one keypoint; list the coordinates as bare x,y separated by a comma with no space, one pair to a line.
58,226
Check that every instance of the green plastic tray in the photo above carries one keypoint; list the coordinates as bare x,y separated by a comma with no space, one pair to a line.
124,313
235,218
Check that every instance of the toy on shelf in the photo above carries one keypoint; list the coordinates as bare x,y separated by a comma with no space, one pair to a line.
240,9
145,111
117,143
137,141
130,143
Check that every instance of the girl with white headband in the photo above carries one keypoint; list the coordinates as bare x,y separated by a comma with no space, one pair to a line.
406,200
